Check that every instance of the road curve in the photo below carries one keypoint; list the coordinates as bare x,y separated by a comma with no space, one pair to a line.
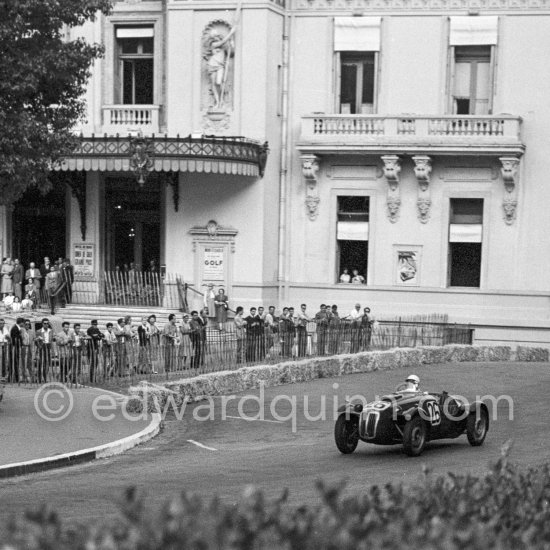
211,457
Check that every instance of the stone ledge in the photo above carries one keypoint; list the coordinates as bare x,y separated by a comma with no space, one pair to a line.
245,378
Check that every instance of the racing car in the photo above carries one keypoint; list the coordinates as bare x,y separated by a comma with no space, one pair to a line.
410,418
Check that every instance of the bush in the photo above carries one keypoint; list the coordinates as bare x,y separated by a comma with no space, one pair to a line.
508,508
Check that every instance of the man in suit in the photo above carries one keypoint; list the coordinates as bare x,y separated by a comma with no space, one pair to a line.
53,281
45,268
197,324
254,330
16,344
4,347
64,341
34,274
18,278
44,340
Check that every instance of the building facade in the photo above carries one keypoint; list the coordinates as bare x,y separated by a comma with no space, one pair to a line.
274,148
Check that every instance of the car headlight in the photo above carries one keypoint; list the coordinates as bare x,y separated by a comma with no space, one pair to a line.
358,407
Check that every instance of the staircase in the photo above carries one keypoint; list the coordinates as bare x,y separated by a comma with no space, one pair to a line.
83,314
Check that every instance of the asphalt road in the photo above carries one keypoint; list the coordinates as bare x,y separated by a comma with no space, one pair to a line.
210,457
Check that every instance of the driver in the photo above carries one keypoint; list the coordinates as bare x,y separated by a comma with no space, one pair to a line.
412,382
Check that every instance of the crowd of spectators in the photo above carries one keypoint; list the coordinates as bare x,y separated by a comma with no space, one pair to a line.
26,289
33,351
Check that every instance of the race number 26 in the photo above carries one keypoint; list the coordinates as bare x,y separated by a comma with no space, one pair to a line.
434,412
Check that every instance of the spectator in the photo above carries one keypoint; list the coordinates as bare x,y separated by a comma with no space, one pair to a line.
45,268
8,301
171,340
302,319
355,316
239,332
253,335
94,343
30,296
67,273
53,281
120,350
18,278
44,340
186,349
321,320
144,340
33,274
130,340
287,331
109,353
78,339
64,343
16,340
357,279
209,303
221,304
27,352
271,329
345,277
154,341
366,329
7,277
334,329
204,323
16,306
196,324
4,347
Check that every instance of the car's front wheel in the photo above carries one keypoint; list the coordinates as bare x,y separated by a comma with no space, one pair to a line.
346,433
414,436
477,427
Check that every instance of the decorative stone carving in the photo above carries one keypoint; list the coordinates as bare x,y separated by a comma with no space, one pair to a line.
509,171
423,204
509,206
392,169
215,123
142,152
218,51
310,169
422,171
212,231
426,6
394,204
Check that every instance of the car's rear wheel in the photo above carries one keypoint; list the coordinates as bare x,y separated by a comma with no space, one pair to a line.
477,427
414,436
346,433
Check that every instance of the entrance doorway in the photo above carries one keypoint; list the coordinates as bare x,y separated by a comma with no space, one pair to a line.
132,223
39,225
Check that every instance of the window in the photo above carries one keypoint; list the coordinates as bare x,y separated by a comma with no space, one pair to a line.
134,69
472,86
465,232
352,234
357,83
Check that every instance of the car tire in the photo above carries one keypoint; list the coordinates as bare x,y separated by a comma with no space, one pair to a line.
415,436
477,426
346,433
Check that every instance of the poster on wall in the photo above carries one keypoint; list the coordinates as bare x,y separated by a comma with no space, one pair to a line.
407,269
84,260
213,264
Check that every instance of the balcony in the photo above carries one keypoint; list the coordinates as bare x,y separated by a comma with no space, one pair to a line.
411,134
125,119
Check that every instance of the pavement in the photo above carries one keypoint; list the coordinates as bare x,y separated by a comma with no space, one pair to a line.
200,452
51,426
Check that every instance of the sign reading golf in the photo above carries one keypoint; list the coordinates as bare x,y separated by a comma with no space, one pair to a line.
213,268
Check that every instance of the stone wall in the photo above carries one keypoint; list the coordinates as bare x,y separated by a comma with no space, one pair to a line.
154,396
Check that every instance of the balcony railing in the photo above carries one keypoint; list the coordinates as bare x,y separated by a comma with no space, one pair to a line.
121,119
498,132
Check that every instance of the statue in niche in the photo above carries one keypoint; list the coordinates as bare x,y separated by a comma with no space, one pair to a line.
219,48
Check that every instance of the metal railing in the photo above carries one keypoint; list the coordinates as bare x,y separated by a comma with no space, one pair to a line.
128,358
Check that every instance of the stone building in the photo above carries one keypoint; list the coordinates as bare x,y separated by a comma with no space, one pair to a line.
267,147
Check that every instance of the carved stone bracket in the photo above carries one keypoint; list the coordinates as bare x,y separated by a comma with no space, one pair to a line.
77,184
509,171
212,231
422,171
392,169
310,169
172,178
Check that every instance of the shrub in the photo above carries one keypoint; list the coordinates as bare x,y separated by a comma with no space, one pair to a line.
508,508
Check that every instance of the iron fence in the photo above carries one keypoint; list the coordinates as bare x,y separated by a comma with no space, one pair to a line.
126,359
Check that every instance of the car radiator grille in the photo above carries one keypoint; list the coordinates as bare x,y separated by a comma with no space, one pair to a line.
371,425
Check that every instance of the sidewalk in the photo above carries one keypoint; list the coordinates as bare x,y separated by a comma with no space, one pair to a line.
32,441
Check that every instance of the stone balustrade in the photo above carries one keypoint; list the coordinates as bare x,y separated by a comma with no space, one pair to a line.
122,119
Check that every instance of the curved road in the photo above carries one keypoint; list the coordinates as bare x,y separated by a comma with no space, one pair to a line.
213,456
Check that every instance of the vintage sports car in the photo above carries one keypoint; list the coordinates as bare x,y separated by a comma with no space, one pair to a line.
410,418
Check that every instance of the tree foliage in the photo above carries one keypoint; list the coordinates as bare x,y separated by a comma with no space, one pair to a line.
43,76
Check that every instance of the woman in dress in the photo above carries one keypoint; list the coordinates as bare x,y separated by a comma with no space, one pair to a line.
186,349
220,303
154,343
130,334
209,304
7,276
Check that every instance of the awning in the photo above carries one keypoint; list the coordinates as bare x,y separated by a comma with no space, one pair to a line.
357,34
474,30
211,155
134,32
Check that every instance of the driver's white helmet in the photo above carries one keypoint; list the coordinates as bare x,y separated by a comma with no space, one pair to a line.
413,378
